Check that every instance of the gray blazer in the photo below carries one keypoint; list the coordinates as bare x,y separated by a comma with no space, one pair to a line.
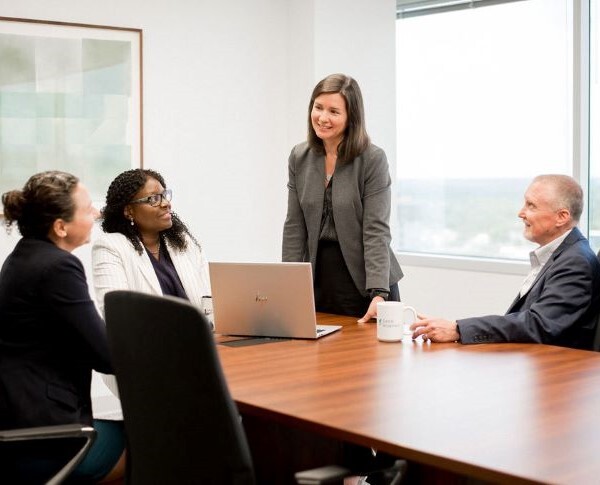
560,308
361,202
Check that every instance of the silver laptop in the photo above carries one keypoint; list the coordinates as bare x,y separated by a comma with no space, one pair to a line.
265,300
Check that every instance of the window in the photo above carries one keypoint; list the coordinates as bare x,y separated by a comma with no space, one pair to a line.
594,172
484,103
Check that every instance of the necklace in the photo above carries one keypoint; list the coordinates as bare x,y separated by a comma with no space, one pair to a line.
154,253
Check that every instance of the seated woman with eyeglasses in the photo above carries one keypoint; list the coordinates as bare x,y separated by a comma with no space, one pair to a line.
146,247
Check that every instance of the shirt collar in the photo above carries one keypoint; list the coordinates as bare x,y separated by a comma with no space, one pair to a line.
540,256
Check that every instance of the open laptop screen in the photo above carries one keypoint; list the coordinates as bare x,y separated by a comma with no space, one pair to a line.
265,299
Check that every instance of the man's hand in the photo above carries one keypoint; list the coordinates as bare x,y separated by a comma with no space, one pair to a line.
435,329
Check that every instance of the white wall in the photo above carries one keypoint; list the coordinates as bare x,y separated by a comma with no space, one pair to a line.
215,82
358,37
226,90
452,293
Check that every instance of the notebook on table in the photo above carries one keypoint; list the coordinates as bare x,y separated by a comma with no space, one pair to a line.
265,300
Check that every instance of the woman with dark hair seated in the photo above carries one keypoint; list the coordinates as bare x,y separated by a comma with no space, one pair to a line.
51,335
146,247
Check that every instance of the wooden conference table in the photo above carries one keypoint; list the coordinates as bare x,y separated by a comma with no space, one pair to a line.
518,413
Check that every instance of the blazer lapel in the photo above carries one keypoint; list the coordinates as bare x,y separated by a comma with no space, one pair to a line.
180,262
147,272
573,237
315,191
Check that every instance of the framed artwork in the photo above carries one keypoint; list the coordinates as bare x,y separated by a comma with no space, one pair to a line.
70,99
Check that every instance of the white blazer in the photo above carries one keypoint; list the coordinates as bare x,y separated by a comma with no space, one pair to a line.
116,265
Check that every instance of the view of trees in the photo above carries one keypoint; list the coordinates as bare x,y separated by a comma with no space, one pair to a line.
478,216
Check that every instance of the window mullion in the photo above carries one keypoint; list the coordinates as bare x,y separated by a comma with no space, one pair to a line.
581,101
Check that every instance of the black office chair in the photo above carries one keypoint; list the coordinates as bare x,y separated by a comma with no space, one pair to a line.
12,443
596,346
181,423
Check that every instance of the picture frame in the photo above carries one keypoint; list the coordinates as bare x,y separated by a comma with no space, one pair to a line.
70,99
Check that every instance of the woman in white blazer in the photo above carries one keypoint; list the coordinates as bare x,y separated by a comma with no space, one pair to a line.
146,247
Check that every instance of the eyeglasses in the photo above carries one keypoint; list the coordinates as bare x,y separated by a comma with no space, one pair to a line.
156,199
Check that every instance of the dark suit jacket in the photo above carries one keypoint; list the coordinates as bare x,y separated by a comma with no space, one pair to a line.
560,308
361,202
51,336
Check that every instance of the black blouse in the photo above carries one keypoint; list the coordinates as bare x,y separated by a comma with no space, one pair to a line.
169,281
328,232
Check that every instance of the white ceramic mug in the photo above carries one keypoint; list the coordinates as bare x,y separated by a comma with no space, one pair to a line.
391,326
207,309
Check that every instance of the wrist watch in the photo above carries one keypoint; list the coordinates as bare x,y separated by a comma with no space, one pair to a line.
378,292
457,330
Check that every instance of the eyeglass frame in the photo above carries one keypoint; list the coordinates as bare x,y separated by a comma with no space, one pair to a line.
167,195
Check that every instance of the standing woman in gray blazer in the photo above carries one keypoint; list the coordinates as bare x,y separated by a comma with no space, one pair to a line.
339,200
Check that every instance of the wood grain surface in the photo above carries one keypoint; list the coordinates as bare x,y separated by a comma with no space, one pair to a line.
519,413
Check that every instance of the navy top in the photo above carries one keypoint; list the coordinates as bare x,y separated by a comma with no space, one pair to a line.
169,281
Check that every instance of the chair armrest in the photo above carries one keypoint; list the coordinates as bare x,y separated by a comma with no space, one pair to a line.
322,475
54,432
47,432
336,474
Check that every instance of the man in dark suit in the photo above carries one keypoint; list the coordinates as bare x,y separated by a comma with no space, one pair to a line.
559,300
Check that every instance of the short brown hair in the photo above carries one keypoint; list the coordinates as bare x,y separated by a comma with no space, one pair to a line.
569,194
355,140
45,197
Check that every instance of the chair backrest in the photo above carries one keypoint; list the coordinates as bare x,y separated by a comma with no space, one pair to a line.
181,423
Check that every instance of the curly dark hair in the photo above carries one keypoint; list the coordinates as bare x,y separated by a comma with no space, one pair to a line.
46,196
120,193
